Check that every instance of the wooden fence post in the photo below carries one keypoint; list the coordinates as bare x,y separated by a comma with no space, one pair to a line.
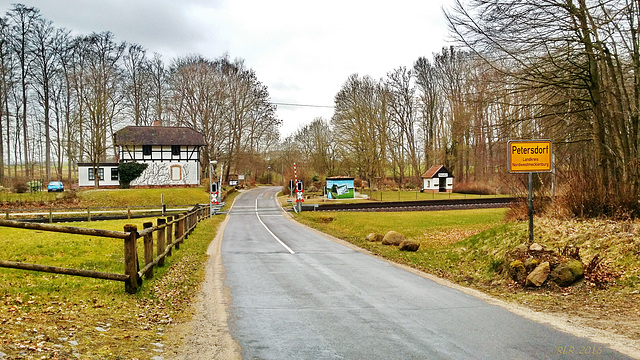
179,231
169,232
161,237
148,250
131,259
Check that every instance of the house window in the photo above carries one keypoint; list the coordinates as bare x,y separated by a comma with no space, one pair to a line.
175,150
176,172
428,183
100,174
114,174
146,149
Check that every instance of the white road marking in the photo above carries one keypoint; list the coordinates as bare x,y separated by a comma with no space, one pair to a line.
272,234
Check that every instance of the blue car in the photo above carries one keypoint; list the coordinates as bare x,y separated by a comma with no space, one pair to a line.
55,186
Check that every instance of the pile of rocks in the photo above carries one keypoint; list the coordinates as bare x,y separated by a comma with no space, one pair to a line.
534,266
394,238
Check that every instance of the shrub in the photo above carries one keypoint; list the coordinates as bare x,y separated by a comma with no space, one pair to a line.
21,187
584,196
129,171
476,188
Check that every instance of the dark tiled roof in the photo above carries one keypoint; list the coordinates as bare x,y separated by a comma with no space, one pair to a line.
435,169
432,171
158,135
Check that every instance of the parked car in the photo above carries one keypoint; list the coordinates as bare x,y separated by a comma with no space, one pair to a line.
55,186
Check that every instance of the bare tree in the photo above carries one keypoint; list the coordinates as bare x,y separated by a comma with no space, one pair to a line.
429,104
571,64
5,83
23,22
44,68
360,122
159,86
101,94
139,84
402,109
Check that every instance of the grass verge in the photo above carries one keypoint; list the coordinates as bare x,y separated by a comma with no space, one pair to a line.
469,247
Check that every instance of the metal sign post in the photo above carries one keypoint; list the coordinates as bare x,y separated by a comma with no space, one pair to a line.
299,195
529,156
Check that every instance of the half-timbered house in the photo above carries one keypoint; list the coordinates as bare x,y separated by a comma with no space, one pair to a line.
171,153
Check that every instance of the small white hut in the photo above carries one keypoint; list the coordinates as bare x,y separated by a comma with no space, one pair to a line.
437,179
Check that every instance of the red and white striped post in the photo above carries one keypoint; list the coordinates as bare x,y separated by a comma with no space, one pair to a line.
295,173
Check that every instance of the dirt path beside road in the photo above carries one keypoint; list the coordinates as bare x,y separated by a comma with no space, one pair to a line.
206,335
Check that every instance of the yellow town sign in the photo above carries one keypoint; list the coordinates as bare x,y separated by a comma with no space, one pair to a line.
528,156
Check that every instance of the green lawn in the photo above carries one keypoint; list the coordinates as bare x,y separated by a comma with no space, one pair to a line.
54,316
28,197
415,224
131,197
110,197
446,238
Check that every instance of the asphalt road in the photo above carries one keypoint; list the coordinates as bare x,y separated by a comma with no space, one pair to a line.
298,295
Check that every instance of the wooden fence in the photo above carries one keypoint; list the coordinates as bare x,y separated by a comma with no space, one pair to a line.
95,213
171,232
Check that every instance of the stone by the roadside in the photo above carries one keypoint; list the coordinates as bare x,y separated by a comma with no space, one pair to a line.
409,245
374,237
567,273
522,248
539,275
536,247
393,238
531,263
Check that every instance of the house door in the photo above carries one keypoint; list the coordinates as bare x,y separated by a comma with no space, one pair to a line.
443,184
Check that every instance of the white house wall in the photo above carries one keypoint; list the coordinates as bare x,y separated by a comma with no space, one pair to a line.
83,176
159,153
434,184
159,173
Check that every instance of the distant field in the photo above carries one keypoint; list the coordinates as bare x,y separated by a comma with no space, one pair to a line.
113,197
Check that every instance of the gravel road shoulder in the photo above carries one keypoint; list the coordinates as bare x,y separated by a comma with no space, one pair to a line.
207,335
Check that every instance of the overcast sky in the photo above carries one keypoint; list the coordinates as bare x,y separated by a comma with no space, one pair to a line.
303,51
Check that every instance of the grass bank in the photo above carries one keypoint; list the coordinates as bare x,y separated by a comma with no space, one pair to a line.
56,316
469,247
443,249
108,198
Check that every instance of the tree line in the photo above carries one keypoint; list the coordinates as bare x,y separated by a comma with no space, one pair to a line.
565,70
62,97
437,112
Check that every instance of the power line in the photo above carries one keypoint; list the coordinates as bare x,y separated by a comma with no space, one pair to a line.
303,105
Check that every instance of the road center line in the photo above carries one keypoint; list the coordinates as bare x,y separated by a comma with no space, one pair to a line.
272,234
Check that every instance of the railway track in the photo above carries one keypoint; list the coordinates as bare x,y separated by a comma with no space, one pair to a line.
423,205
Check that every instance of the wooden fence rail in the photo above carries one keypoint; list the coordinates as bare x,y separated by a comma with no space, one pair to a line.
50,214
171,232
